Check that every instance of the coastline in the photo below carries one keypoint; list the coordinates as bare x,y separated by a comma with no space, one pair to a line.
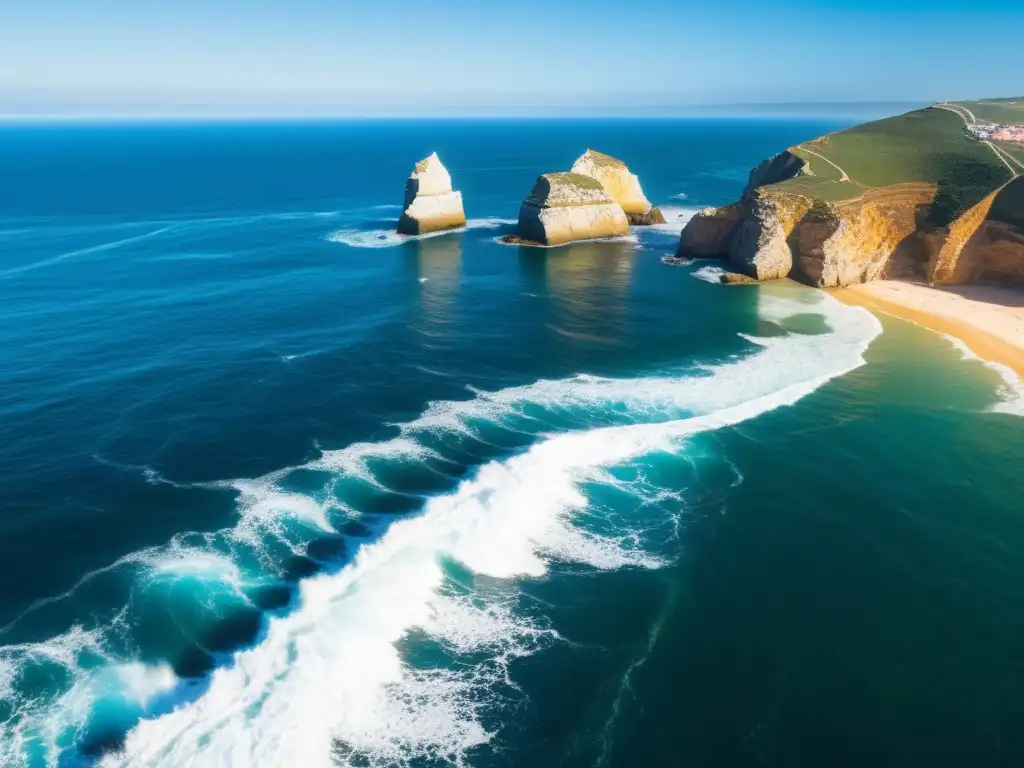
987,319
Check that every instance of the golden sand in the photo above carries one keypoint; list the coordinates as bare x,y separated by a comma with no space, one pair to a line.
989,320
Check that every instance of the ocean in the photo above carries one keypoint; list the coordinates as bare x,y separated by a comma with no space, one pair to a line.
280,488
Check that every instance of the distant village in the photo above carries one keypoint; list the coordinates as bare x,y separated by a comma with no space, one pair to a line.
990,131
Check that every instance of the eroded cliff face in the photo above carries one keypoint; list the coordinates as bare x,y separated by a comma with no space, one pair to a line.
430,203
865,239
566,207
780,167
884,233
760,245
986,244
622,185
709,233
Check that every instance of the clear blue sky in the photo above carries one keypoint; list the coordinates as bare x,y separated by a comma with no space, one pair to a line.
481,56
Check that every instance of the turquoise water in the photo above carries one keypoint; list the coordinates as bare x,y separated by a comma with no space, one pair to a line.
281,488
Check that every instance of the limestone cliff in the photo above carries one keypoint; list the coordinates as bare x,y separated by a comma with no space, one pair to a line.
986,244
780,167
430,203
564,207
623,186
709,233
906,197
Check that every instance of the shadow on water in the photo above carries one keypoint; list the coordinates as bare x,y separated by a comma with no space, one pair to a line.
436,264
588,284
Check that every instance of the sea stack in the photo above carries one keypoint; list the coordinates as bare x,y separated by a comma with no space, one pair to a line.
430,203
623,186
565,207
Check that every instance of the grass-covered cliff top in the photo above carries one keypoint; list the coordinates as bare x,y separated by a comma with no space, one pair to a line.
602,160
573,179
1000,111
930,146
565,189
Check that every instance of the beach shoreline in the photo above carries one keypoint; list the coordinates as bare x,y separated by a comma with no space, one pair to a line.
987,319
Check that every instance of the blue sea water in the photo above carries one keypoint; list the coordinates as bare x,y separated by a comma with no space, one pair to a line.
281,488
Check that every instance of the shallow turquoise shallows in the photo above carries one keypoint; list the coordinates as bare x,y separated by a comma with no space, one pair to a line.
280,488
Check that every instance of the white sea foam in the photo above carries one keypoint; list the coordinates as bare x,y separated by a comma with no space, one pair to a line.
388,238
709,273
676,218
330,673
35,723
141,683
1011,390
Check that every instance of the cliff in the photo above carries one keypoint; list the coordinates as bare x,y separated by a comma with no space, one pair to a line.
565,207
430,203
914,196
623,186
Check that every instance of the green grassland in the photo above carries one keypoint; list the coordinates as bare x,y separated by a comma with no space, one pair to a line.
821,169
1014,149
575,179
1001,111
924,146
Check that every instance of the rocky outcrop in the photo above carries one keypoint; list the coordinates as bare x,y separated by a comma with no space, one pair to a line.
735,278
430,203
759,246
874,236
566,207
986,244
924,203
884,233
709,233
712,231
780,167
623,186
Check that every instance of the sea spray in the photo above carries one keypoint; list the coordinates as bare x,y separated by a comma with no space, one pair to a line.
330,673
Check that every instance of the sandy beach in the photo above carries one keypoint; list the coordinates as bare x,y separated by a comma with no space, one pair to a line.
989,320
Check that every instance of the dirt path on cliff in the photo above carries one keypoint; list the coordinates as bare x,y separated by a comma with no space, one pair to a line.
843,173
968,117
1008,158
965,114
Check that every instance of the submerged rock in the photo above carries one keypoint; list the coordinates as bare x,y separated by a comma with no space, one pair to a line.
564,207
430,203
676,261
623,186
735,278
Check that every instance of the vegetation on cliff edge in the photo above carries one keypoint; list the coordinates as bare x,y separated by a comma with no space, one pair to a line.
924,146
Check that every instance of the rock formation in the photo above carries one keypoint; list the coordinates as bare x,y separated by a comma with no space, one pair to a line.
780,167
623,186
564,207
735,278
709,233
430,203
759,247
945,217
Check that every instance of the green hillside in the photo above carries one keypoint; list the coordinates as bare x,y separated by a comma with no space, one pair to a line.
925,146
1001,111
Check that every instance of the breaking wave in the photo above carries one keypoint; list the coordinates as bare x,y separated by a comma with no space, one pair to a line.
1011,389
709,274
328,679
676,217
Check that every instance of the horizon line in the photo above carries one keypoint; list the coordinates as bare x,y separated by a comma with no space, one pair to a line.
754,109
